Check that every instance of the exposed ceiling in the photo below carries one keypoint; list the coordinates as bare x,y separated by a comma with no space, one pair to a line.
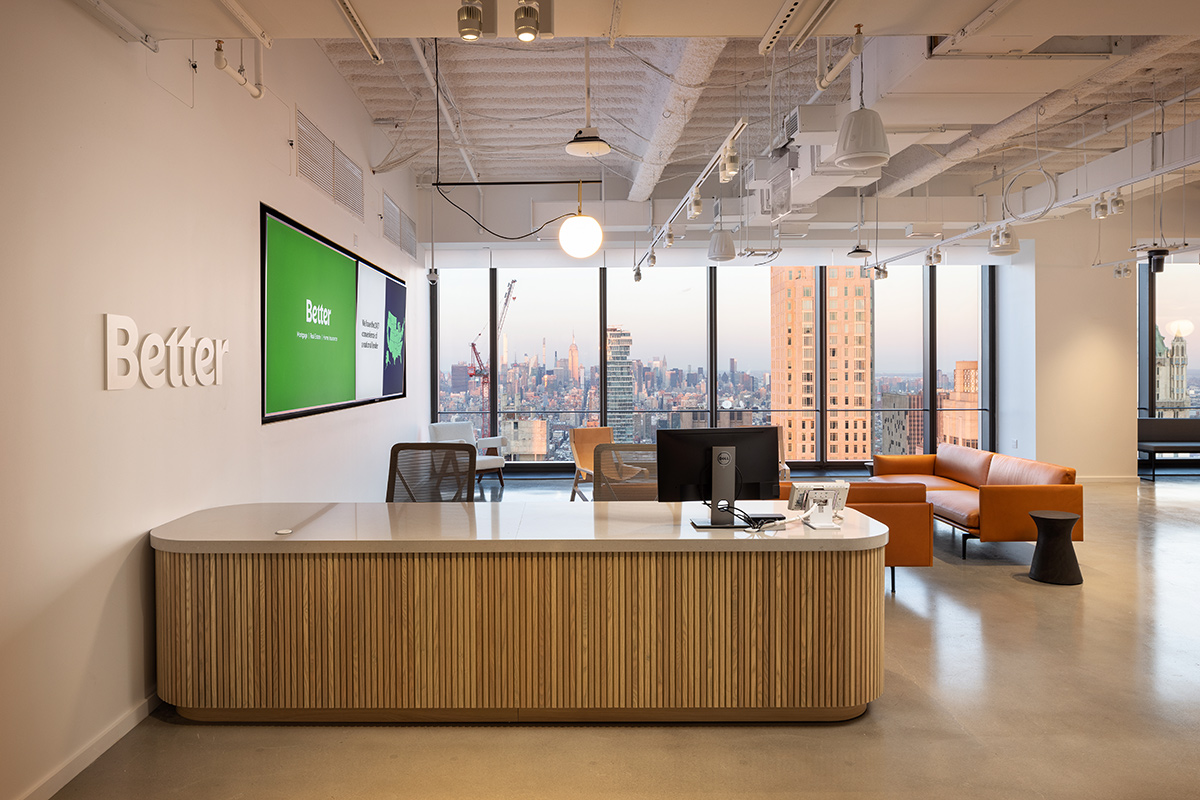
669,78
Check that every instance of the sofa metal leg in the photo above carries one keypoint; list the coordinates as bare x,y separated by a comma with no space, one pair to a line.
893,569
964,555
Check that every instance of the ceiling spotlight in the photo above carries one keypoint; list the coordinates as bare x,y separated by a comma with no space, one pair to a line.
470,20
670,240
432,276
580,235
525,20
1100,207
933,256
1116,204
881,272
1122,271
652,260
859,252
696,207
637,274
1003,242
862,142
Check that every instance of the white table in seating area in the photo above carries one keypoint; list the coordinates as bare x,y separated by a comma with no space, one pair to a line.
519,612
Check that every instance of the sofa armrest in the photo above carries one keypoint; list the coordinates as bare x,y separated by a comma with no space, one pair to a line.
1004,510
903,465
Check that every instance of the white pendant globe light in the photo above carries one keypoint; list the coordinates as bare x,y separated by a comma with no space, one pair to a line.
580,235
862,141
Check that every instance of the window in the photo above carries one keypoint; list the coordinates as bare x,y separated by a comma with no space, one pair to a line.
463,348
548,376
958,351
1175,316
657,351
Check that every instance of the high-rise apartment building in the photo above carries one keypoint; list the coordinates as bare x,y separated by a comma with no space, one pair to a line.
846,355
901,424
958,415
619,373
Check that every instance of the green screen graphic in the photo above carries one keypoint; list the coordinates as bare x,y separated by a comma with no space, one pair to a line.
309,323
395,340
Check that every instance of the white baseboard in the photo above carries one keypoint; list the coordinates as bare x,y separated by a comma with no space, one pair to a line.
77,763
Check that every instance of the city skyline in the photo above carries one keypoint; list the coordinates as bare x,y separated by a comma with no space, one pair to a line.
667,314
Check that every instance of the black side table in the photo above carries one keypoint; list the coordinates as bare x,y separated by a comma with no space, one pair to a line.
1054,556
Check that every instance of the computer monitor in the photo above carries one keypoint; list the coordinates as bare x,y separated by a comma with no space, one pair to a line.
718,465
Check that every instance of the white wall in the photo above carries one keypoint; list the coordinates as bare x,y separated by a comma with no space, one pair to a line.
1016,354
123,197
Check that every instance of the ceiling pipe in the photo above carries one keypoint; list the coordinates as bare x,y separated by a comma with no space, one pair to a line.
459,139
239,75
1074,146
857,43
973,27
979,144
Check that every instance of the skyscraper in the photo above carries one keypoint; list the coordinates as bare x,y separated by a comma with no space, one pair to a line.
847,362
573,359
619,373
1170,375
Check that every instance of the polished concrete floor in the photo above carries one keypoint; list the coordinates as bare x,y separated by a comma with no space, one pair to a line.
996,687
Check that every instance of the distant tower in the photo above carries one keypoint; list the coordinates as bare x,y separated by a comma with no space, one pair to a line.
573,359
619,371
543,351
505,359
1170,374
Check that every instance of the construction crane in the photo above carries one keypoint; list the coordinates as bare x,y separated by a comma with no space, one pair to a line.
479,369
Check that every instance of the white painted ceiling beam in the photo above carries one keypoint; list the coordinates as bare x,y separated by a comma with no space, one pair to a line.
695,66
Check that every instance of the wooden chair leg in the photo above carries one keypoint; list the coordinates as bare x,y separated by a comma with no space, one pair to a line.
575,488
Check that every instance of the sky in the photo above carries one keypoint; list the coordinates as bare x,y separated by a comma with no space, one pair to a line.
665,312
1178,296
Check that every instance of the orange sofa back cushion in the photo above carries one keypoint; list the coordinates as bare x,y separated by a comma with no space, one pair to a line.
1013,471
963,464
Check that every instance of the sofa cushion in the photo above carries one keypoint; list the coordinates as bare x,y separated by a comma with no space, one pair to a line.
930,482
960,507
915,464
963,464
1013,471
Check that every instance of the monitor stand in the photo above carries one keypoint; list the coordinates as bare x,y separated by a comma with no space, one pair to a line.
724,491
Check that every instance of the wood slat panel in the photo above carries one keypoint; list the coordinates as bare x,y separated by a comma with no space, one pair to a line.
762,635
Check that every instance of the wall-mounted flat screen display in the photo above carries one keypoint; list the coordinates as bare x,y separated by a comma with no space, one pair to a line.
332,324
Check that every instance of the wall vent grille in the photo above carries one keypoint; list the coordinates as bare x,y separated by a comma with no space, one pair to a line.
391,220
408,236
347,183
314,154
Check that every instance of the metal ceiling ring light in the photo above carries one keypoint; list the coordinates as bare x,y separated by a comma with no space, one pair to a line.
859,251
587,142
862,141
580,235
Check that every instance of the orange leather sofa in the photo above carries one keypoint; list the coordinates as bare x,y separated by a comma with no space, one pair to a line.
905,510
985,495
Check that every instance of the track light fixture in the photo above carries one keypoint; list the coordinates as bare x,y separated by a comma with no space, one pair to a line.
1122,271
652,260
880,272
637,274
432,276
669,241
1116,204
696,206
470,20
525,20
933,256
1100,207
1004,242
580,235
730,164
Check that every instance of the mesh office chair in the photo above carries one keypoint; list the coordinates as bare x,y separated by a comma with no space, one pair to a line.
431,473
626,472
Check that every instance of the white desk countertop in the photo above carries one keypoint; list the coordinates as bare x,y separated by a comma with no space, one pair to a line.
532,527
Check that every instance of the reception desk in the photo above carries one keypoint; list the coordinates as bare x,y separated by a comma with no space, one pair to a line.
539,611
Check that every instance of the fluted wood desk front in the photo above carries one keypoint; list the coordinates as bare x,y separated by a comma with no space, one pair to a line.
514,611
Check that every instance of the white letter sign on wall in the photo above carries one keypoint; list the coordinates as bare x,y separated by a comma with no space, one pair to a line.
179,360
